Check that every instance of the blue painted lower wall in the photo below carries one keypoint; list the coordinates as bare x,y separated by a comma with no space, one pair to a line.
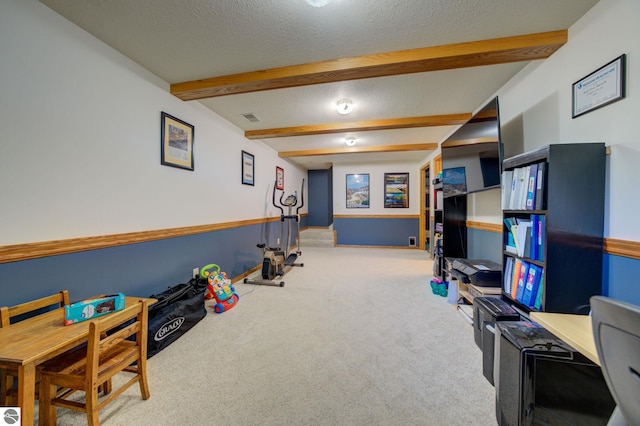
146,268
140,269
388,231
620,278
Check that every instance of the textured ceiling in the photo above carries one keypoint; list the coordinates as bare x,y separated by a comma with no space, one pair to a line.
183,40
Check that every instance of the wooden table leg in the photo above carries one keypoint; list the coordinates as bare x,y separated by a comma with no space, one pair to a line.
26,392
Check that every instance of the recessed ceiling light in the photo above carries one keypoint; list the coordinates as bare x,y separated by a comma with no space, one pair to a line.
350,141
318,3
345,106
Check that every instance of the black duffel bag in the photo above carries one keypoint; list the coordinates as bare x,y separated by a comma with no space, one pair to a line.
177,310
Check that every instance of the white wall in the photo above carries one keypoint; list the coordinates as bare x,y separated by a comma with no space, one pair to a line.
80,134
80,142
537,103
376,173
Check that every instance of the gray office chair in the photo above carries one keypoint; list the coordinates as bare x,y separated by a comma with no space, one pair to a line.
616,330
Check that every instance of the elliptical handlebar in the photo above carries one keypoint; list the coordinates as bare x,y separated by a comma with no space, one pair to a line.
291,200
301,197
275,184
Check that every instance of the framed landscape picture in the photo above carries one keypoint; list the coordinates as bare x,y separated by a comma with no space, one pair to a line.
454,181
176,142
358,191
396,190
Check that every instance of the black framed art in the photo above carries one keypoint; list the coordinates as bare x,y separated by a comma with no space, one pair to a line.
604,86
176,144
357,191
396,190
248,168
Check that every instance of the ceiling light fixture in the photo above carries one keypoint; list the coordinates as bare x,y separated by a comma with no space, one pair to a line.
318,3
345,106
350,141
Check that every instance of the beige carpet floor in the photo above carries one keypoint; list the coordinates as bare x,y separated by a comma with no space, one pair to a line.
355,337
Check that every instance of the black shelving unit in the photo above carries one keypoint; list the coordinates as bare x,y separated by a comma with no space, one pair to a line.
573,211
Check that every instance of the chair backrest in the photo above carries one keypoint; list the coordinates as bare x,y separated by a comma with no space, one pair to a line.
8,313
106,336
616,331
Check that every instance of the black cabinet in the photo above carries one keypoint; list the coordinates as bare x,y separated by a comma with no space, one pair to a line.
562,248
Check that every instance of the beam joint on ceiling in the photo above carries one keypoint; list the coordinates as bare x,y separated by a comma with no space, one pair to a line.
360,150
360,126
461,55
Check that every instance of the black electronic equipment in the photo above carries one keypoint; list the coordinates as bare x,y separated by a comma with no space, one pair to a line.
473,167
483,273
487,311
540,380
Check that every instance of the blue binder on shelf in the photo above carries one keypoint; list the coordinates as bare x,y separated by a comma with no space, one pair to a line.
542,220
531,286
533,246
522,280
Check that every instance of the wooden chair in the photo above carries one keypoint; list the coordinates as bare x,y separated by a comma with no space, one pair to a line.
8,376
108,352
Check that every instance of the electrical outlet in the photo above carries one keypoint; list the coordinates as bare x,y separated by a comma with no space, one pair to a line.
196,272
277,241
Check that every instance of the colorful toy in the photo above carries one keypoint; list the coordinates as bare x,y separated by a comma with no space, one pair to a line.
219,288
439,287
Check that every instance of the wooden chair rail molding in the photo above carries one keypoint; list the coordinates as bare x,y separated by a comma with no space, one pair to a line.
622,248
18,252
376,216
483,226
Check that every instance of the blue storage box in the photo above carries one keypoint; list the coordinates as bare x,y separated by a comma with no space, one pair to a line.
93,308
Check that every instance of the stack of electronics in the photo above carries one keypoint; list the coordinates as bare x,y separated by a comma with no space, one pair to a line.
539,379
487,311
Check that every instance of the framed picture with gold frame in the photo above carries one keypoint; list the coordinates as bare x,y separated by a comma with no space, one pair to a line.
176,142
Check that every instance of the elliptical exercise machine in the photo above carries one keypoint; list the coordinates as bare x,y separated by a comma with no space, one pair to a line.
275,260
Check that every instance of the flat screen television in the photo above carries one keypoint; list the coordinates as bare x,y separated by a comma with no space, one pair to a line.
472,155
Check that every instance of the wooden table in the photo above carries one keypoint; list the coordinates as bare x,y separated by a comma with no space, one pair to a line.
28,343
576,330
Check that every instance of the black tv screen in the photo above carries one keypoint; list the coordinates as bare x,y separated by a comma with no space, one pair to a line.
472,155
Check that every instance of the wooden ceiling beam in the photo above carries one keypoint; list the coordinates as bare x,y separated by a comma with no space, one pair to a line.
461,55
360,150
360,126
